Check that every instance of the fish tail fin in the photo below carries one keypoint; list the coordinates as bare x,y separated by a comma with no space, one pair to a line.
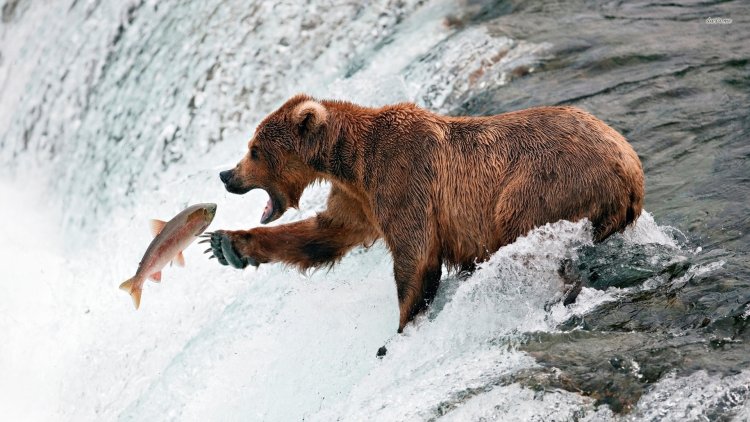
131,286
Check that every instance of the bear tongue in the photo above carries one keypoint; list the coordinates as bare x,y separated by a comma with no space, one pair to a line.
267,211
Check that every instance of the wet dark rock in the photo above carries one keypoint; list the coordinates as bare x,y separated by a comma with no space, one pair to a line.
615,264
690,322
699,303
616,368
381,352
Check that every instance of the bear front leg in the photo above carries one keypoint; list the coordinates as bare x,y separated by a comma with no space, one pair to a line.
303,244
417,281
410,231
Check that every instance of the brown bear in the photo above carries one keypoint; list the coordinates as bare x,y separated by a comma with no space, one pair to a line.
438,190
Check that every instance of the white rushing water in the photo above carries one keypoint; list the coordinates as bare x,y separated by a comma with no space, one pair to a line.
113,112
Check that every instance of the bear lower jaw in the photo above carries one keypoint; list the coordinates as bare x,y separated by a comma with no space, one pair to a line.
268,212
274,208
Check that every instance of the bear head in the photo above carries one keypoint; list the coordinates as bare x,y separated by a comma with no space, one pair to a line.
283,156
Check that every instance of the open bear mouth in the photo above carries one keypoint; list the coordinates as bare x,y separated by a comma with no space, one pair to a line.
273,210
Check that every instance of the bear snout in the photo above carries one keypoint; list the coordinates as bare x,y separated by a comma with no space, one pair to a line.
234,184
225,176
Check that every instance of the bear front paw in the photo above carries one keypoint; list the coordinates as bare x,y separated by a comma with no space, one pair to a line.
223,250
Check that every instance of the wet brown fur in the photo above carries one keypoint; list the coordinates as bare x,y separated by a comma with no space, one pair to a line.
438,190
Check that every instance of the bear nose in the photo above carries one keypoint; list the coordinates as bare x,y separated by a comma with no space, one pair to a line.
225,175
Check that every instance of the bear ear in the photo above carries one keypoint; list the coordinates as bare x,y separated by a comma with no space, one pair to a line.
309,117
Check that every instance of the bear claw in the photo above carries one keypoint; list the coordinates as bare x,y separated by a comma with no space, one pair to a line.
221,246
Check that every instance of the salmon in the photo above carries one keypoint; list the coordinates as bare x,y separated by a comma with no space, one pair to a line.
170,239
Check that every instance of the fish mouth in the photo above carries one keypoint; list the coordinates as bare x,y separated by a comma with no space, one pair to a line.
274,207
211,210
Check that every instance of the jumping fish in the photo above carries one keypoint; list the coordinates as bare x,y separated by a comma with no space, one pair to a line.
170,239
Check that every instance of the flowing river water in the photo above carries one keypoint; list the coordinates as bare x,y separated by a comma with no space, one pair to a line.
114,112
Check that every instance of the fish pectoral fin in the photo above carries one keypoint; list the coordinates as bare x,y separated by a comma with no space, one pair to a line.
156,276
157,226
179,259
135,293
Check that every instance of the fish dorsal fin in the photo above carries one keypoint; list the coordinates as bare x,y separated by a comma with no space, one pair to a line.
179,259
157,226
156,276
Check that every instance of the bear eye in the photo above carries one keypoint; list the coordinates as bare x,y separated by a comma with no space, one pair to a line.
254,153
